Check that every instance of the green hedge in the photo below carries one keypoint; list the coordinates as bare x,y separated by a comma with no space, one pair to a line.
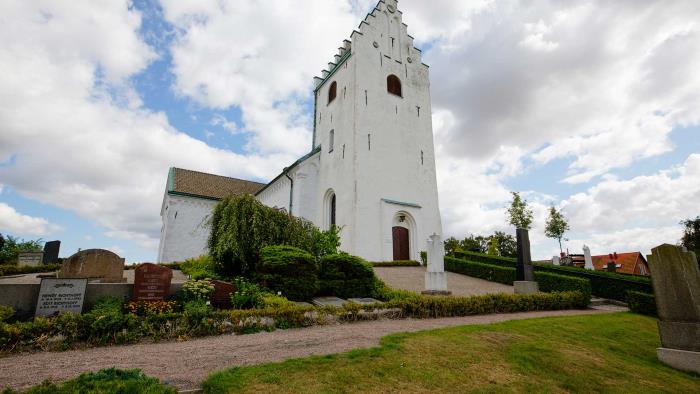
346,276
485,258
604,284
396,263
642,303
110,380
289,270
490,272
9,269
549,282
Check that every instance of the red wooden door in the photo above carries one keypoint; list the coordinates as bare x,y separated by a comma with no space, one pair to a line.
400,235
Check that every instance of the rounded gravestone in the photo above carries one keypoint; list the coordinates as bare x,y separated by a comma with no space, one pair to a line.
100,264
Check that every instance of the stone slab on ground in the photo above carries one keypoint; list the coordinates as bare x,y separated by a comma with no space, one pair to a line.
328,301
303,303
525,287
364,301
680,359
188,363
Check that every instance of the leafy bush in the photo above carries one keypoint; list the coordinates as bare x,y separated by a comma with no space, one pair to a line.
642,303
201,267
485,258
247,295
490,272
110,380
6,312
396,263
604,284
241,226
107,324
424,257
289,270
346,276
196,310
550,282
10,248
196,290
9,269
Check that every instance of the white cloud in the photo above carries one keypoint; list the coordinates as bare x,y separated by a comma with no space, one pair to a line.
13,222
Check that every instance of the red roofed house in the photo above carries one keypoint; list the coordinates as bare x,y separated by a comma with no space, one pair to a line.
627,263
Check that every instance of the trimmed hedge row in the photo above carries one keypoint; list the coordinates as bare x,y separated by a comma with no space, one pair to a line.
549,282
642,303
108,326
396,263
490,272
346,276
485,258
604,284
289,270
7,269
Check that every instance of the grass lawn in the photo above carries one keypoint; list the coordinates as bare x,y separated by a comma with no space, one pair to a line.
601,353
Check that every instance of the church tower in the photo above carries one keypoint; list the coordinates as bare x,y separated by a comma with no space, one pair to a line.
375,175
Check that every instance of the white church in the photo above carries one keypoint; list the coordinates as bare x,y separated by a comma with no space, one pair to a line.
371,168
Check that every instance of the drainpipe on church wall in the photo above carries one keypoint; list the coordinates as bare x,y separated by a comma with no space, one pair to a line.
291,190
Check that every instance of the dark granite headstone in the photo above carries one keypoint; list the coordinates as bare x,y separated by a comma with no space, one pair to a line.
152,282
524,271
222,294
51,250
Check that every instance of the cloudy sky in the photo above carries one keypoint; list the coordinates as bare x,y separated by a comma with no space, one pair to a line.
591,106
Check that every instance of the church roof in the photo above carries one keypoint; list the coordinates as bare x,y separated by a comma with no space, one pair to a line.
210,186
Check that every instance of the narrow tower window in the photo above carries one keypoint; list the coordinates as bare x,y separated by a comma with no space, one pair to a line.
331,138
421,157
393,85
369,142
332,92
332,213
418,109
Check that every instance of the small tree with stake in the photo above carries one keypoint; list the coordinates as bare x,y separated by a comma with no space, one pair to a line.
556,226
519,215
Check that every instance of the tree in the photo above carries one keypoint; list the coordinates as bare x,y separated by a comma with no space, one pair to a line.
691,235
493,247
556,225
451,244
507,245
519,215
12,246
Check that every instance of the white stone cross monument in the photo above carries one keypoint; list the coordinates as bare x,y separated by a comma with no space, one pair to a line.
587,257
435,276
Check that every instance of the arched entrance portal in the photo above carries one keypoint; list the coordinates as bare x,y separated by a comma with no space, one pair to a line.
401,243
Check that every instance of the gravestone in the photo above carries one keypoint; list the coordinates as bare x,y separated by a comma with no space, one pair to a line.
588,259
676,280
222,294
151,282
100,264
60,295
51,250
524,275
556,260
328,301
30,259
435,276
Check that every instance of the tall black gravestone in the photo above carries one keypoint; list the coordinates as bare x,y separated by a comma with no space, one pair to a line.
51,250
524,270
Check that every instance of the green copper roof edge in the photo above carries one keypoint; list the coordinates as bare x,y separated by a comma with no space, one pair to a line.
171,179
193,195
407,204
286,170
342,60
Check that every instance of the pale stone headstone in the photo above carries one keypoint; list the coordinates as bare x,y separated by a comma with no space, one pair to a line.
524,272
588,259
435,276
152,282
100,264
676,280
60,295
30,259
328,301
556,260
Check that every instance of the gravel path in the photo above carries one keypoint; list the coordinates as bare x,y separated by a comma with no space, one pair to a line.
185,364
413,278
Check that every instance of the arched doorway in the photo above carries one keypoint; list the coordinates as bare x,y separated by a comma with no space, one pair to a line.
401,243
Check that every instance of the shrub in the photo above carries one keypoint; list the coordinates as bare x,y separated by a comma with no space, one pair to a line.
247,295
642,303
289,270
6,312
201,267
196,310
550,282
241,226
110,380
107,324
490,272
485,258
424,257
346,276
196,290
9,269
604,284
396,263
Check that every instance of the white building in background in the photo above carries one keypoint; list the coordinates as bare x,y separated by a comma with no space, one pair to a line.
371,169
